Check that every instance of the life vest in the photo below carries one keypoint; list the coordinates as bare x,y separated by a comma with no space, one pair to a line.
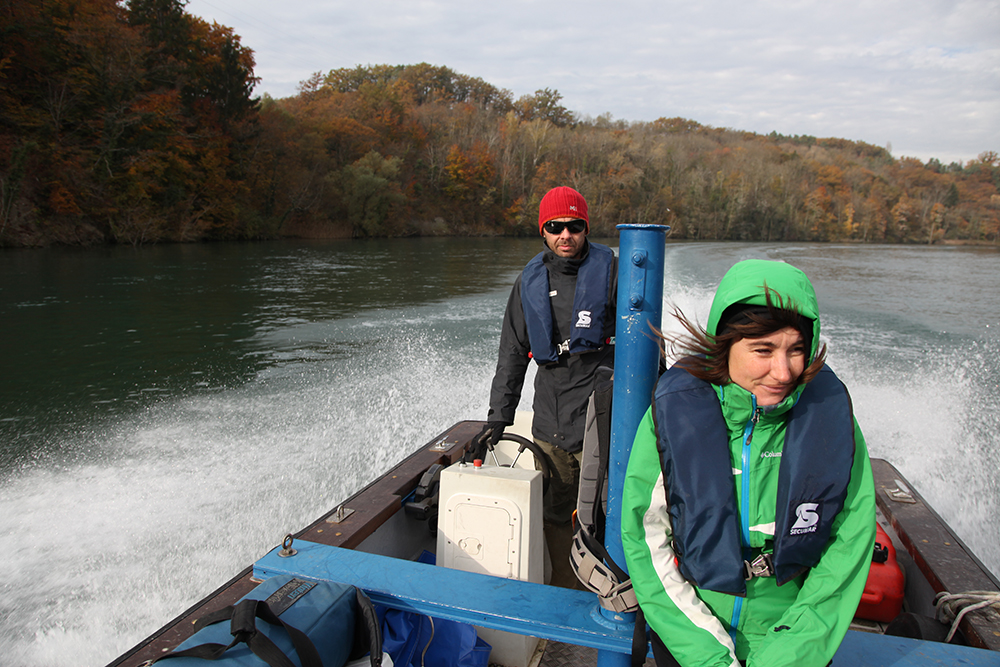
589,305
813,476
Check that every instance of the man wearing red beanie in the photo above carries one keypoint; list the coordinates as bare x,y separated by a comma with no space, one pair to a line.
561,313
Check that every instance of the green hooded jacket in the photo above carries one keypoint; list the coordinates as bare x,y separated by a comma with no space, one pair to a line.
800,623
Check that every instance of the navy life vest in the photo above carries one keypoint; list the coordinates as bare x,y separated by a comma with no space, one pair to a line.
814,473
590,302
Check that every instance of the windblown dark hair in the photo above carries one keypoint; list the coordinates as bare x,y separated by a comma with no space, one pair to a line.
707,357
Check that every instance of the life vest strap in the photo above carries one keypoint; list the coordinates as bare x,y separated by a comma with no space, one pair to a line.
761,566
612,593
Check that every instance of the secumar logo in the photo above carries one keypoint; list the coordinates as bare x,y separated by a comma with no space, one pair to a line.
583,319
808,519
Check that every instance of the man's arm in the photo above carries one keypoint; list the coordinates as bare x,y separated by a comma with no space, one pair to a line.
512,361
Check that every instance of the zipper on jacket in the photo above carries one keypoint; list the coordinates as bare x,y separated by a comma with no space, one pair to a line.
745,476
745,508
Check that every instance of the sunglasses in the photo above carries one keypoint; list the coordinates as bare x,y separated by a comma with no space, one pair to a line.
574,226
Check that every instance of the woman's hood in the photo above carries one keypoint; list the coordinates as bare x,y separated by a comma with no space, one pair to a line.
744,283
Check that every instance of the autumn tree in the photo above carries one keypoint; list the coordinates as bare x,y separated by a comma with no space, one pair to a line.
370,192
125,123
544,105
136,123
196,113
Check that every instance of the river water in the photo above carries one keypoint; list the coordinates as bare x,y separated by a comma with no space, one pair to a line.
167,414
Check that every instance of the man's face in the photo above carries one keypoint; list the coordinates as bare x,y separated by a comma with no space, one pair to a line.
566,243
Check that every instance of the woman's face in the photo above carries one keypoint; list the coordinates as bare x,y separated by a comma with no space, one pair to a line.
768,367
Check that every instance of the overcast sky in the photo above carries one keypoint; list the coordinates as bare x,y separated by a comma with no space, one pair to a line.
919,76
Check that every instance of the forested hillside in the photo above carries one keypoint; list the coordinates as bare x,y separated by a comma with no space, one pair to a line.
136,123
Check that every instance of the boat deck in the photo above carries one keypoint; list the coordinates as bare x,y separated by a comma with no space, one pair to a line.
557,654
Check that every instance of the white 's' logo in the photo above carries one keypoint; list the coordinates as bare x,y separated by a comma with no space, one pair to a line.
572,208
807,519
583,319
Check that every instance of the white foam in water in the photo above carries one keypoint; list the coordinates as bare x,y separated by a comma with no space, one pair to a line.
98,556
938,422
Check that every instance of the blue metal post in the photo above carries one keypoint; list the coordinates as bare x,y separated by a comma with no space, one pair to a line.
641,252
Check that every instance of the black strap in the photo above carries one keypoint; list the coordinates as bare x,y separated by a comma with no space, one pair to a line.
367,631
603,393
243,627
640,645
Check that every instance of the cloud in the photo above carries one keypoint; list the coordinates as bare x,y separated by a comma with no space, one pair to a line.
923,75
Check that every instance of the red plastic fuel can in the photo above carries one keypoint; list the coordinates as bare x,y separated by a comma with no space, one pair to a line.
883,596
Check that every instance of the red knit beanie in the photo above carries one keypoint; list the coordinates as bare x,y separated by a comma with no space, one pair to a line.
562,202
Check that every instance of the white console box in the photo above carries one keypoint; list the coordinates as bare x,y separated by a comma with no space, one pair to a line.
490,522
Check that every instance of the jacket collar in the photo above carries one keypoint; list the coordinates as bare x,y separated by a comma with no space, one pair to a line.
738,404
565,265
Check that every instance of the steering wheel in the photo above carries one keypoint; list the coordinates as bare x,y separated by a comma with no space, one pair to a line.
523,444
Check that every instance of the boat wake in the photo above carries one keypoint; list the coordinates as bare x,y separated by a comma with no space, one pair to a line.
155,510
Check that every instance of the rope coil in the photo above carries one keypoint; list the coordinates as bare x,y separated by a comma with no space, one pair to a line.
952,608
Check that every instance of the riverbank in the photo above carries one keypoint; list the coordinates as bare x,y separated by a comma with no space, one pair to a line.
82,235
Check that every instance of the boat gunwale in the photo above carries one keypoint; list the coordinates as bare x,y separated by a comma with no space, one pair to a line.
942,558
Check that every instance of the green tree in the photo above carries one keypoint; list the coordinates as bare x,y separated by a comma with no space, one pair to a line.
544,105
370,192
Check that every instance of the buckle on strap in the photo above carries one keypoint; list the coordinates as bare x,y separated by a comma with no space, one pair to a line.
760,567
612,594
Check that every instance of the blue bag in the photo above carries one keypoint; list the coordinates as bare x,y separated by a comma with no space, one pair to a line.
284,622
412,639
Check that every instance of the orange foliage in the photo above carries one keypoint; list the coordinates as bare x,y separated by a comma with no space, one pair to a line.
138,120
